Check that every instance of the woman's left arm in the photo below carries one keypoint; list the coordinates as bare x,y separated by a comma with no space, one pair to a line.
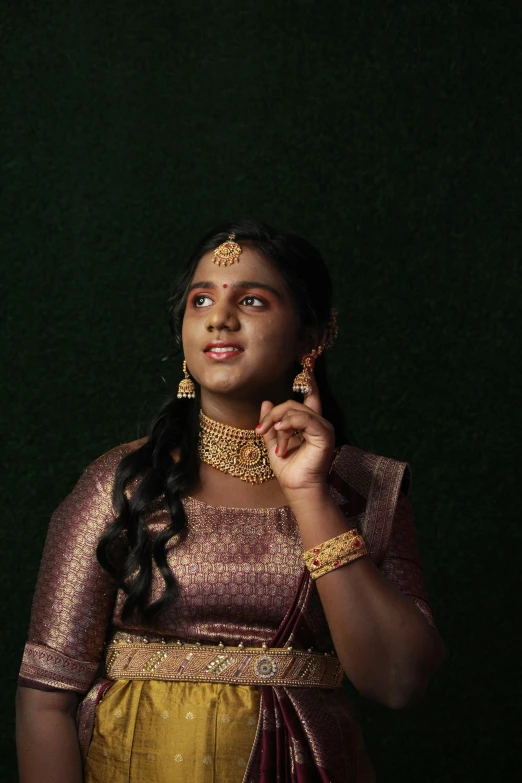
385,643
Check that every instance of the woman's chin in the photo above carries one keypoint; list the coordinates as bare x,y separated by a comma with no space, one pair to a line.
221,383
234,387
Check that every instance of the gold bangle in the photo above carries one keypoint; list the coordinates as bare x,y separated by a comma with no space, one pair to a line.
331,545
332,549
333,565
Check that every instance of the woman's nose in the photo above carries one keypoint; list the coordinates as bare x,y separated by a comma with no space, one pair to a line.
222,315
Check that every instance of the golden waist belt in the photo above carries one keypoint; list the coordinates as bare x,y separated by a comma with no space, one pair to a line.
212,663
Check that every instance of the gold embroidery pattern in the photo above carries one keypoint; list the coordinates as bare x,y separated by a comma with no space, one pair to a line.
387,523
218,664
269,723
49,667
237,569
74,596
283,666
265,667
151,664
300,754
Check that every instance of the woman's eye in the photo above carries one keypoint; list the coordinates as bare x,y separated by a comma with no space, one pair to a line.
197,299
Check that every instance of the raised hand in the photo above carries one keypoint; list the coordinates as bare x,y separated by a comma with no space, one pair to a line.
299,462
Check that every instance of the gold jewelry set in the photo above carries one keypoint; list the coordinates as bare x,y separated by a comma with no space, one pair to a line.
242,453
334,553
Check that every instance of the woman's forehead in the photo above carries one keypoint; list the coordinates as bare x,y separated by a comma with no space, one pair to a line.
251,265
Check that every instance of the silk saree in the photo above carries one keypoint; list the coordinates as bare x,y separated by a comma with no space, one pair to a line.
242,580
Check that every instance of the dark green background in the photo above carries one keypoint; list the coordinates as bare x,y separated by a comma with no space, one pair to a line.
386,133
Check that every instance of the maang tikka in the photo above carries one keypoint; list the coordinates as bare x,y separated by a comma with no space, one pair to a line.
303,381
228,252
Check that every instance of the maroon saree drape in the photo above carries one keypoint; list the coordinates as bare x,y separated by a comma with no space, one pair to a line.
309,735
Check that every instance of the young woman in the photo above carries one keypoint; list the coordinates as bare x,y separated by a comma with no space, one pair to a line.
231,567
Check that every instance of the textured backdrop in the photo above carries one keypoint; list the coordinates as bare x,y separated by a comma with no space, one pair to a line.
388,135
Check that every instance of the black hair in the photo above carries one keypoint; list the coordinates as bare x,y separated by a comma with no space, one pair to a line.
127,549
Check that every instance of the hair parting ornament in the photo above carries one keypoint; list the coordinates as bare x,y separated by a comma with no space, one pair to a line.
228,252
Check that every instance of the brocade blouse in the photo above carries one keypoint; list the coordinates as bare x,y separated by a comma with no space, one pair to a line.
237,570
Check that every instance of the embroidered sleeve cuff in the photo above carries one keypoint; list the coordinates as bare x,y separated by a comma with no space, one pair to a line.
43,665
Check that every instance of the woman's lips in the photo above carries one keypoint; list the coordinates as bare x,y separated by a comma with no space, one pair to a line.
222,356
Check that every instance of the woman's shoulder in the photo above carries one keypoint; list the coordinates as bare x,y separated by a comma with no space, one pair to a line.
117,453
103,468
370,485
362,469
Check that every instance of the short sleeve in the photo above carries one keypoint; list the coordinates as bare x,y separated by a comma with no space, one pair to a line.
74,596
401,563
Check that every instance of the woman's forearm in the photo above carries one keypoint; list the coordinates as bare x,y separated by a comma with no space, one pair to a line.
385,644
46,739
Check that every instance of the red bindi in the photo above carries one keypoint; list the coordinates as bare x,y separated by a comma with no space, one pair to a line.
225,285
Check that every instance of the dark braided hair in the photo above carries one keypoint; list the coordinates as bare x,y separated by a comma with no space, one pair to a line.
127,550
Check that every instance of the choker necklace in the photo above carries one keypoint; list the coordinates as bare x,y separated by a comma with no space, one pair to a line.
241,453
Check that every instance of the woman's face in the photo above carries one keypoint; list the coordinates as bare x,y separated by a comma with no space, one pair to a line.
248,307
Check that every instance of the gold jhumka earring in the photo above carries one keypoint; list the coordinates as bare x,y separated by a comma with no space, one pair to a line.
186,387
303,381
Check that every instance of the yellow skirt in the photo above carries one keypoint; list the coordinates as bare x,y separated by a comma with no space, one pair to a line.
151,731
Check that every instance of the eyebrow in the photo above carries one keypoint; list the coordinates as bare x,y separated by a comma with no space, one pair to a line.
239,284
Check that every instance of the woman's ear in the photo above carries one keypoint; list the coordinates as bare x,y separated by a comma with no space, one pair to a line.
310,338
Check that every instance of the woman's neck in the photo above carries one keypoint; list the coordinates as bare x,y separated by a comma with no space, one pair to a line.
241,413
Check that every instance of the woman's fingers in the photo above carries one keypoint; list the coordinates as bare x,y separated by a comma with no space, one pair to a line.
313,400
306,422
266,407
276,413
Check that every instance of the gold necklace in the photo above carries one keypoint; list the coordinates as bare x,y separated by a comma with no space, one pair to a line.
241,453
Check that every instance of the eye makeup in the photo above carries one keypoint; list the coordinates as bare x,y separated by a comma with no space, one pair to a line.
245,284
